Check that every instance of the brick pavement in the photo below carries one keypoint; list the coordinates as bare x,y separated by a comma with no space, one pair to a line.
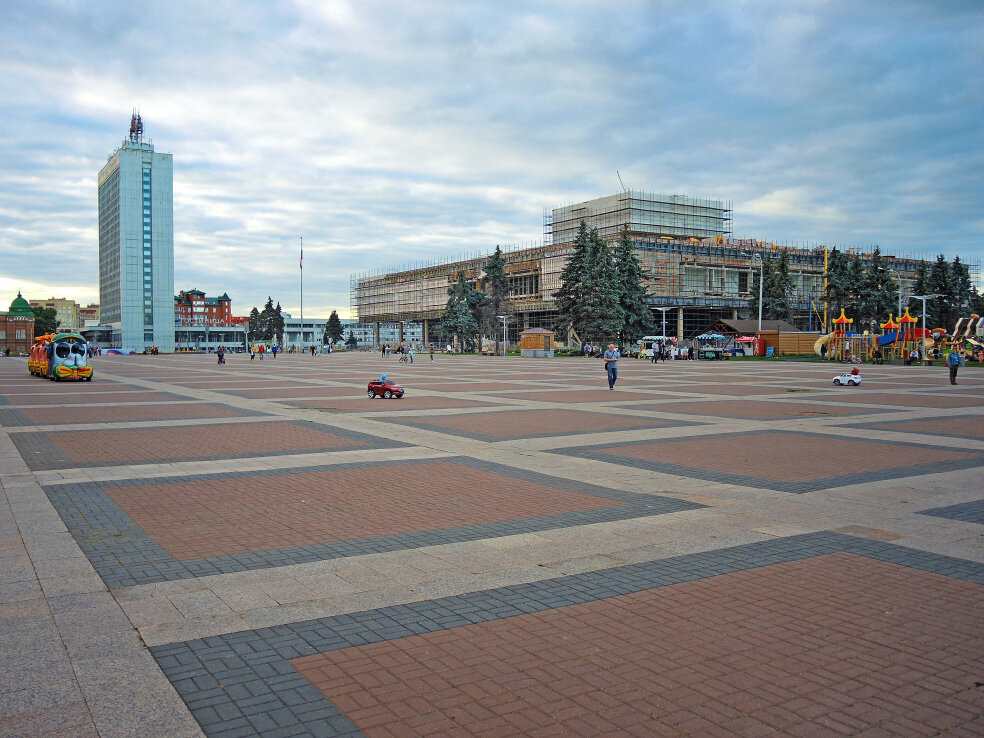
512,424
61,449
493,575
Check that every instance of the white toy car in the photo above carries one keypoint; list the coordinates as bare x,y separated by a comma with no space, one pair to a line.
852,380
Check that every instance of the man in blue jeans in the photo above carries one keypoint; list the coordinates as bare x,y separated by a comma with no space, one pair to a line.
611,364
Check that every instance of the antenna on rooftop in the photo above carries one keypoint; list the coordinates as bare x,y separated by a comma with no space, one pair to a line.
136,127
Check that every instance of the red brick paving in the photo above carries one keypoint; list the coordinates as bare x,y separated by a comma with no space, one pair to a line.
123,413
908,399
724,389
194,520
784,457
203,441
966,425
306,390
379,405
519,423
833,645
552,394
77,393
755,409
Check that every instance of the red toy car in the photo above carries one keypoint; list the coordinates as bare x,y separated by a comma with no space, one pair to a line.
384,388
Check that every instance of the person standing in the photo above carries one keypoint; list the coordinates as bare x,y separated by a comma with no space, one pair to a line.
432,351
657,349
221,354
953,361
611,357
410,353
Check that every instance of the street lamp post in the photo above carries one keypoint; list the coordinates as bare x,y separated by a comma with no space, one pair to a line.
761,282
899,280
504,318
924,298
663,310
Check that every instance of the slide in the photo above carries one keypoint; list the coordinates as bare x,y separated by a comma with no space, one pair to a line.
888,338
822,341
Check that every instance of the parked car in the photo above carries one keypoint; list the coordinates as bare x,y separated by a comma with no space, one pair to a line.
385,388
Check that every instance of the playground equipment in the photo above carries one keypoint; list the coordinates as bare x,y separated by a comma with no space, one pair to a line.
844,345
60,356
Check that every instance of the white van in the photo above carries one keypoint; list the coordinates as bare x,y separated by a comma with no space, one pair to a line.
644,346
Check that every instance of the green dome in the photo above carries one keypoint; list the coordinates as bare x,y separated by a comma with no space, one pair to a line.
20,306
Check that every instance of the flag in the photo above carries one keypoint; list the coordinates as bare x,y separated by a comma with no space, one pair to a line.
302,258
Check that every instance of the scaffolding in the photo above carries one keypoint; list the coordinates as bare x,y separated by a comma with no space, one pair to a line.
644,213
701,279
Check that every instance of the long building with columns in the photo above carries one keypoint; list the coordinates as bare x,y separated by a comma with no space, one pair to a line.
697,272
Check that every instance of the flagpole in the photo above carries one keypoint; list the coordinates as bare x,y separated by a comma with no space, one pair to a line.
302,291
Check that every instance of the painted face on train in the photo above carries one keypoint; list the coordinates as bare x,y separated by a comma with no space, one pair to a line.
69,353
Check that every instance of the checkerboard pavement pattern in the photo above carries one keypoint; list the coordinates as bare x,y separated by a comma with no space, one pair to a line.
738,549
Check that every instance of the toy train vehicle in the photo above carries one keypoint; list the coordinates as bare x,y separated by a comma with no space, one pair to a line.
60,356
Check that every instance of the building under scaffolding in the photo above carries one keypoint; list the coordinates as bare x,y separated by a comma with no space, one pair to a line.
691,281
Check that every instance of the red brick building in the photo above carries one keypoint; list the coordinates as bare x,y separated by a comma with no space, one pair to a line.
192,307
17,327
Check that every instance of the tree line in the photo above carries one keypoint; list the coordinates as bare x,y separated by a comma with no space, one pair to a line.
867,289
602,295
268,324
471,313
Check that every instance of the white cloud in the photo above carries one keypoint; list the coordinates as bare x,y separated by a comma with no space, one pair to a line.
386,134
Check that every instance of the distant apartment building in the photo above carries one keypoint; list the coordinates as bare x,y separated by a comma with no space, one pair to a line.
136,244
89,315
67,312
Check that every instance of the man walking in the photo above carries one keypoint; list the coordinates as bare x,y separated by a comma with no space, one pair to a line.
953,361
611,364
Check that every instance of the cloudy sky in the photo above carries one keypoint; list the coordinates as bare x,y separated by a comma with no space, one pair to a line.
392,133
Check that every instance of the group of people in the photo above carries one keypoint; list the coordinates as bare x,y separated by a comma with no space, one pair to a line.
406,353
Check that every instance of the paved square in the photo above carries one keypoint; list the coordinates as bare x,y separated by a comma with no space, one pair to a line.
164,529
776,410
323,566
964,426
220,517
785,461
66,449
380,405
817,633
723,653
117,413
513,424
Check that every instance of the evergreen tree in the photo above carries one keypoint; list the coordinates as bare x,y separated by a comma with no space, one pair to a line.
569,297
879,293
45,320
277,325
838,284
638,318
854,288
962,288
603,316
778,289
939,310
458,318
350,341
333,329
497,292
266,322
919,287
253,325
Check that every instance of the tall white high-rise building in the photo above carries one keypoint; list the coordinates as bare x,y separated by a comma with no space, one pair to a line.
136,244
